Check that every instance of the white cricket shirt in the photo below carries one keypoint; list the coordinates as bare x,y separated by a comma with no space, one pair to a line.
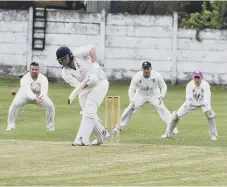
152,86
198,94
83,65
26,81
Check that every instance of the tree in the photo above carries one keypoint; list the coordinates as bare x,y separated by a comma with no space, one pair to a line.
213,17
155,7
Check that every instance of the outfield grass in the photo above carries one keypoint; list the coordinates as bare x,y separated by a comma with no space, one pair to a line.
32,156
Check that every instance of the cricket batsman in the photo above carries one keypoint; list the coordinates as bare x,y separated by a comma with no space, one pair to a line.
33,90
147,86
78,66
198,95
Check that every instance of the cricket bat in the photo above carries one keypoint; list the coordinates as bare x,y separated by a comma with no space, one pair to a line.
76,91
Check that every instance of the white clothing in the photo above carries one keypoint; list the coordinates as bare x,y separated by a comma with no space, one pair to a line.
198,94
90,102
83,66
91,97
26,96
152,86
146,90
139,101
196,97
26,81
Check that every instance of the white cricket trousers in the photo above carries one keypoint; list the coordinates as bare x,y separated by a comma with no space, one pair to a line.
20,100
90,100
141,100
207,110
186,108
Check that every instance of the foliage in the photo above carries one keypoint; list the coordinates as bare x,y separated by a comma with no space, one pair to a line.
154,7
213,17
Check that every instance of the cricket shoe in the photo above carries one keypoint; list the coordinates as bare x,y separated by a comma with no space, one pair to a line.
9,129
164,136
116,129
78,143
214,138
51,129
106,136
175,131
167,135
170,135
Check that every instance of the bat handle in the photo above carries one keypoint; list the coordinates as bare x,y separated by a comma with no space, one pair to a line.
68,101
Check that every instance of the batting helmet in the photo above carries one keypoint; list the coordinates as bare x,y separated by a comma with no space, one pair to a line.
62,52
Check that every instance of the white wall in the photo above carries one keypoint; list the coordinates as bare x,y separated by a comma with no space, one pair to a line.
210,55
130,40
123,42
67,28
13,41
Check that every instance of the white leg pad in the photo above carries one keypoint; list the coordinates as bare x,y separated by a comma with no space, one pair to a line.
210,114
86,128
172,125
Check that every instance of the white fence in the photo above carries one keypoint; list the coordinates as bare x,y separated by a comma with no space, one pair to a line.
123,42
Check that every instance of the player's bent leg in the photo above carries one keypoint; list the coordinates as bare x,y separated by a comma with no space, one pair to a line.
128,112
210,114
18,102
165,115
89,118
171,126
163,112
100,133
176,116
85,130
87,127
50,113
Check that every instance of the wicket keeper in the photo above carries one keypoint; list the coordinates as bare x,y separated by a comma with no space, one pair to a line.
198,96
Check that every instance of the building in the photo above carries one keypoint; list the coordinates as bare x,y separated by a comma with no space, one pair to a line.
82,6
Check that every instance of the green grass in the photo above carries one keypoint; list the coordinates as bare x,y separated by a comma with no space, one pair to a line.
32,156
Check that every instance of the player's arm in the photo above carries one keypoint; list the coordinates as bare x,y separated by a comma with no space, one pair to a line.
132,89
24,83
189,96
72,81
162,85
207,94
44,87
86,51
89,51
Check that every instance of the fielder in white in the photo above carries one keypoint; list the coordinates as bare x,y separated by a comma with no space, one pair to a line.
198,95
33,90
147,86
77,66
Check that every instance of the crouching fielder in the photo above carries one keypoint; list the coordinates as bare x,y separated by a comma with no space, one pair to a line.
33,90
77,67
198,95
147,86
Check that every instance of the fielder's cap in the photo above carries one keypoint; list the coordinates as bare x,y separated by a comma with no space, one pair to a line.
146,64
197,74
62,52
